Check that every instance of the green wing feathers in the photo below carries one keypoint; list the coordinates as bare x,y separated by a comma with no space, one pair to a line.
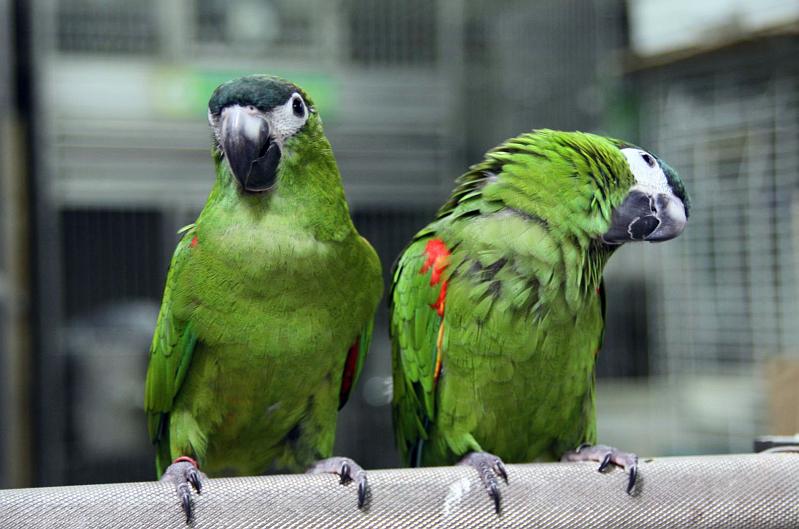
171,351
416,321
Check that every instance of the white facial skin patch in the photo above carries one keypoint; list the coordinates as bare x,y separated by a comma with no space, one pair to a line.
288,118
647,171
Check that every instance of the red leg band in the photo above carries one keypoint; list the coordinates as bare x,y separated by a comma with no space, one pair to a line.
186,459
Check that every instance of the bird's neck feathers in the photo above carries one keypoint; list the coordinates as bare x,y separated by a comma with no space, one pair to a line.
561,182
570,180
308,192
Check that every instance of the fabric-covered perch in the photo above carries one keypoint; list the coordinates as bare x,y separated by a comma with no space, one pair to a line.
731,491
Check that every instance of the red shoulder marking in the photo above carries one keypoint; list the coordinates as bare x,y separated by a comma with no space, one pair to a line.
442,296
194,242
348,377
437,259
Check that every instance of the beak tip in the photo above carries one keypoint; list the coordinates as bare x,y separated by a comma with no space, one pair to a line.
673,219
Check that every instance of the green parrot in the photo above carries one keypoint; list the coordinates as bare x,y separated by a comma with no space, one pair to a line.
269,302
497,306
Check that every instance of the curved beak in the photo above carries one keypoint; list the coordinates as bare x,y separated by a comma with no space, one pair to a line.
252,155
645,216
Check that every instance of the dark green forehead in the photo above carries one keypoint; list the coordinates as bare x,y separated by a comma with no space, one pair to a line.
262,91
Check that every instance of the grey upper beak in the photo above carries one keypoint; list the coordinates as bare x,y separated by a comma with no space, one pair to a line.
252,155
671,212
644,216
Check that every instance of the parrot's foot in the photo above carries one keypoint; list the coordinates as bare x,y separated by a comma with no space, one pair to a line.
184,473
605,455
488,466
348,469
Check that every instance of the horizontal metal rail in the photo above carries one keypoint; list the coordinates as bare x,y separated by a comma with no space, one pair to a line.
727,491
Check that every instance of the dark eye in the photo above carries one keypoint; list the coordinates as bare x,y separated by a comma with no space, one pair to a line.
297,107
648,159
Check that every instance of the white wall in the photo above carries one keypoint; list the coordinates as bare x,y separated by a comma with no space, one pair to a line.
660,26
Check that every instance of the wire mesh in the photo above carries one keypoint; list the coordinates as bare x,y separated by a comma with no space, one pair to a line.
734,127
726,298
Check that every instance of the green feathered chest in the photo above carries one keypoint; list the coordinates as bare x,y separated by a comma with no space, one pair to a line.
277,290
521,334
275,312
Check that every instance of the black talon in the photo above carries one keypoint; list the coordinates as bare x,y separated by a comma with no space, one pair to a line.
494,493
633,477
185,500
502,471
194,479
361,494
582,445
345,474
605,462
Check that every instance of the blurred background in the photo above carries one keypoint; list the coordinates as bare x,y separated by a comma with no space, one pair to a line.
104,154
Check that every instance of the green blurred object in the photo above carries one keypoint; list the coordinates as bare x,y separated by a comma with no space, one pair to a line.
180,91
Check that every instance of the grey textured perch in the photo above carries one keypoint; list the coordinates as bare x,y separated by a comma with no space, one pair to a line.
744,491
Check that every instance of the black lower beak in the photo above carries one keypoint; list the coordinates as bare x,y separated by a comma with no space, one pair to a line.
645,217
252,155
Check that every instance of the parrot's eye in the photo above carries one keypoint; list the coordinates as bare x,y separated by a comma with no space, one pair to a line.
297,107
648,159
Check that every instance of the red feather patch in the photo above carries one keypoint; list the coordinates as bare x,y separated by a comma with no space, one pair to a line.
438,259
348,377
442,296
194,242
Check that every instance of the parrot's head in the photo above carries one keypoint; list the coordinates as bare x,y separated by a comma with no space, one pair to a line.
583,185
259,122
655,206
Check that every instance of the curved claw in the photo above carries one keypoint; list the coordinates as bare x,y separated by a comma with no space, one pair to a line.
194,479
362,492
501,470
348,470
633,478
493,492
345,474
488,467
605,462
185,501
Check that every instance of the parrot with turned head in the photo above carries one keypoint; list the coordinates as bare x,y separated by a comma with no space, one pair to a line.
269,302
497,306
